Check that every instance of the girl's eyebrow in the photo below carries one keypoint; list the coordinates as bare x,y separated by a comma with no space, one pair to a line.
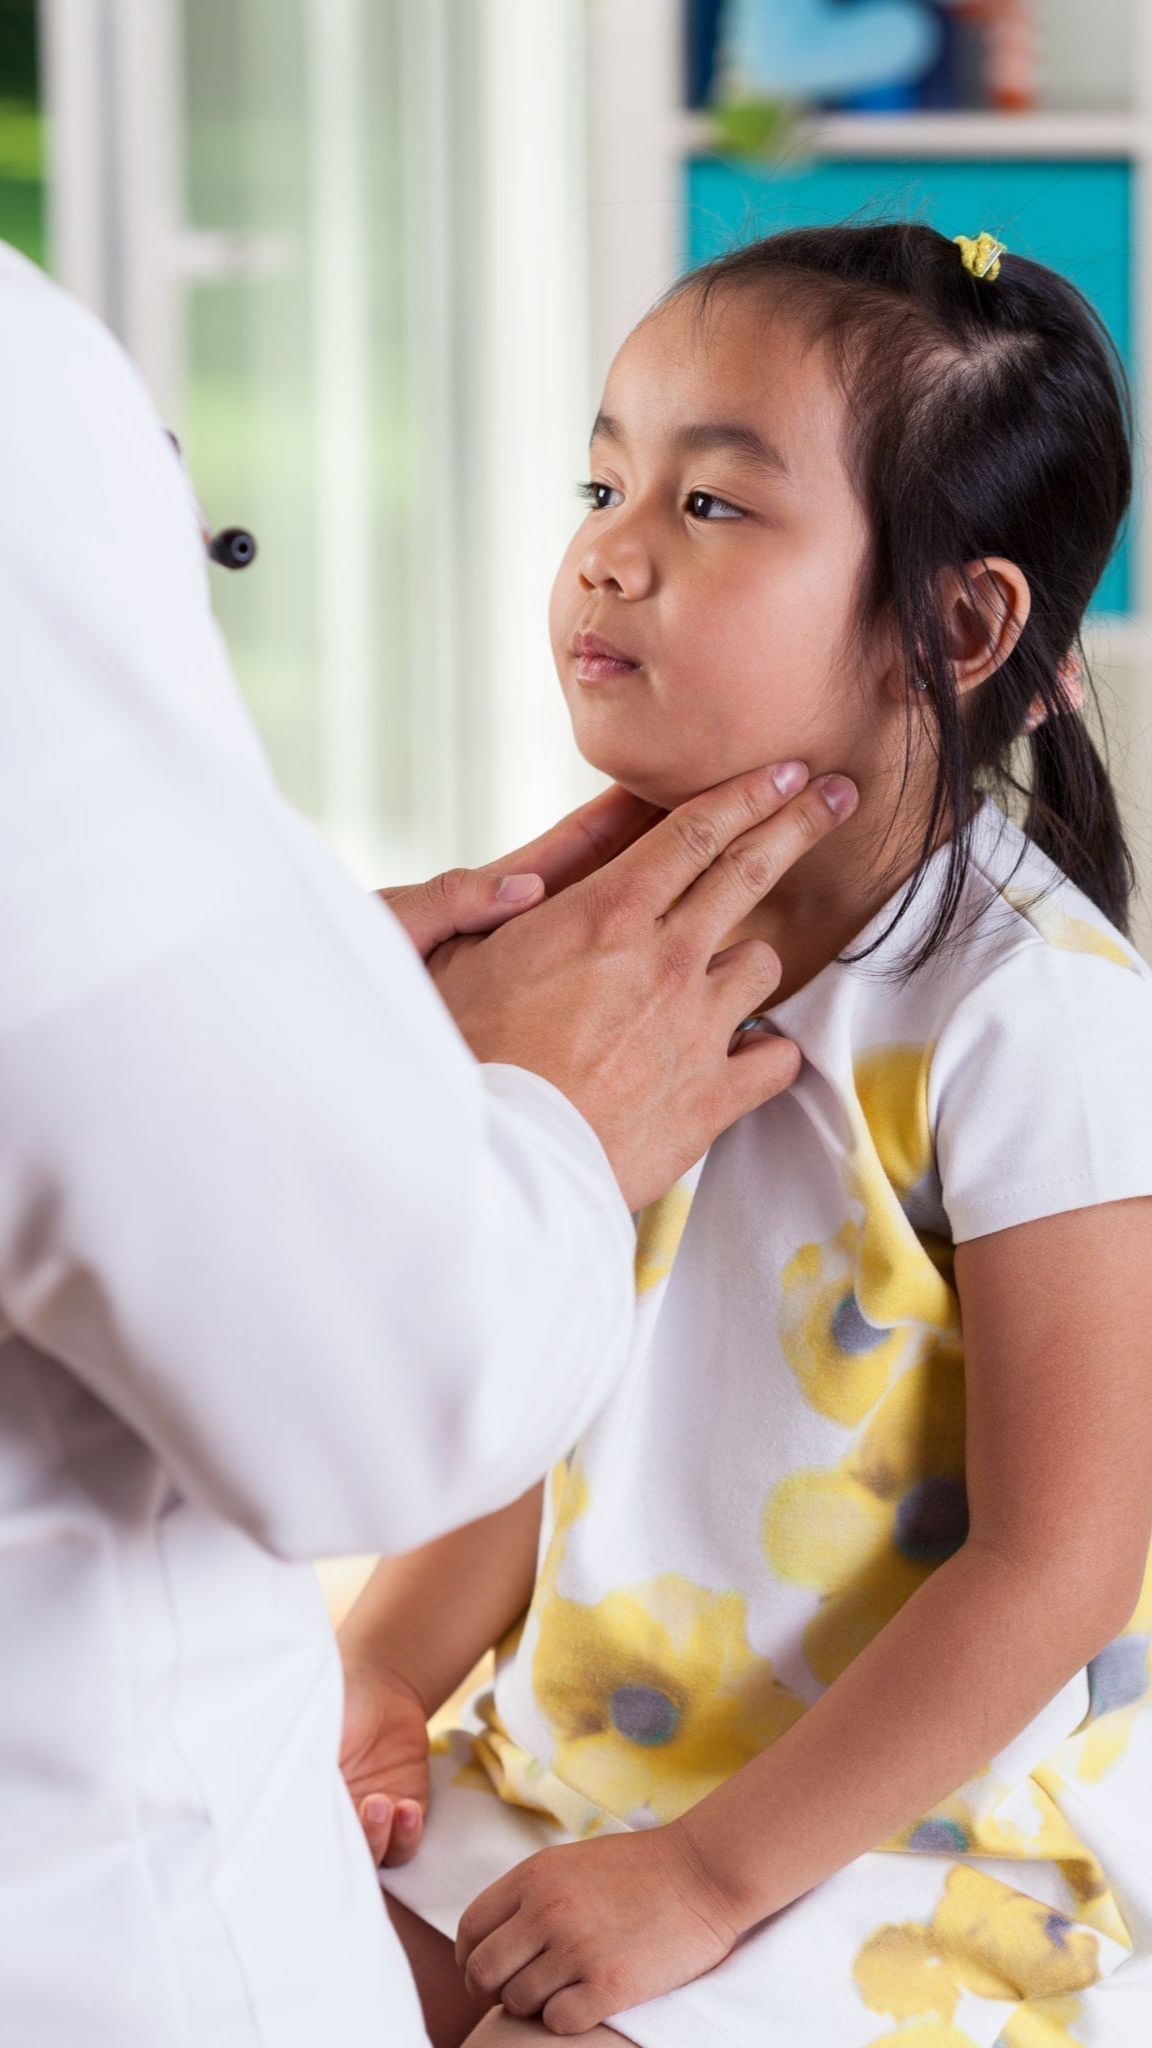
705,438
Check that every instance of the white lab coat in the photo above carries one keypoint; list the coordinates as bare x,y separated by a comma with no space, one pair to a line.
282,1273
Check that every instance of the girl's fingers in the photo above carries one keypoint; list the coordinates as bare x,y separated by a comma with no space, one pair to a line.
575,2010
376,1820
407,1828
488,1911
529,1990
500,1956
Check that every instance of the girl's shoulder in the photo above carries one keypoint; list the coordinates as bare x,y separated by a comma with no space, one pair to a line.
1039,1084
1020,905
1027,950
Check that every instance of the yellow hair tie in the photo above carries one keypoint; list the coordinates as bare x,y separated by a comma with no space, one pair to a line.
981,257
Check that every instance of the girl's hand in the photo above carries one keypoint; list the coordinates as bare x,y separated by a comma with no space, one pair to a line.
587,1930
384,1758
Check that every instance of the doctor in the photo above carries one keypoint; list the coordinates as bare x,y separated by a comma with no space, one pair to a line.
283,1270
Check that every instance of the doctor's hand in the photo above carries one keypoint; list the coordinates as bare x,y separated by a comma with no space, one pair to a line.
476,900
384,1759
621,990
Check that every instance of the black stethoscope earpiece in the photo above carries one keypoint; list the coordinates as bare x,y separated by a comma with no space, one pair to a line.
233,547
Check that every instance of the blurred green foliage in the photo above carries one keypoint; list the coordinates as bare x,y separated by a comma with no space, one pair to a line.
21,130
18,64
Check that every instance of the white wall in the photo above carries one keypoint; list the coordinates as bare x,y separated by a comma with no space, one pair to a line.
1088,53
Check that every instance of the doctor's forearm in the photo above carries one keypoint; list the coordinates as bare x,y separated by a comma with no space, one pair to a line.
431,1614
956,1674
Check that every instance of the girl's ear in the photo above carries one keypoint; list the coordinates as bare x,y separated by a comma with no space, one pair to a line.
985,612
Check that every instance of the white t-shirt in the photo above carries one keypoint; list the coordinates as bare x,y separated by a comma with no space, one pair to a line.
783,1463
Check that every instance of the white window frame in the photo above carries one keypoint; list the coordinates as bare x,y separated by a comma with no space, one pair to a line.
503,351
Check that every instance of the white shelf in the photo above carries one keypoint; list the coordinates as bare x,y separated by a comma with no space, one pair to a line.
975,134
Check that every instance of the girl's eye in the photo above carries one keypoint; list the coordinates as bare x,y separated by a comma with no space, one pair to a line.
705,505
701,504
592,493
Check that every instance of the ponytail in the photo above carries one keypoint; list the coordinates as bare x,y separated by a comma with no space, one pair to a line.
1074,818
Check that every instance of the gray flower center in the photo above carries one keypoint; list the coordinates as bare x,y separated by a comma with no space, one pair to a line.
932,1520
642,1714
852,1330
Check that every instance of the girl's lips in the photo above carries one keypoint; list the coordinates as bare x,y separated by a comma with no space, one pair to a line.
597,661
601,668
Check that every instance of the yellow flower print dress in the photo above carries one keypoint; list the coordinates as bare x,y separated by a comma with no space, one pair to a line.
782,1465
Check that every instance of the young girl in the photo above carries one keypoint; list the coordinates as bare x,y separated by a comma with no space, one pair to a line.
821,1714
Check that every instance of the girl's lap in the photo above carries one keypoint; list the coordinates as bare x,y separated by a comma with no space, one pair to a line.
450,2010
498,2030
891,1936
453,2017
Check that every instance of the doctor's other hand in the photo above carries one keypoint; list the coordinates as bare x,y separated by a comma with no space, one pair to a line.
623,991
384,1759
466,901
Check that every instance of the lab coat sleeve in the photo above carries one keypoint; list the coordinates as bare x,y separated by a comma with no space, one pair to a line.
353,1288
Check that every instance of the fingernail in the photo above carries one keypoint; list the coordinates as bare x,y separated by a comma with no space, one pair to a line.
518,888
790,776
838,793
407,1818
376,1810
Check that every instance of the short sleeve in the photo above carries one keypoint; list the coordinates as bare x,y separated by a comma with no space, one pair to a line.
1040,1094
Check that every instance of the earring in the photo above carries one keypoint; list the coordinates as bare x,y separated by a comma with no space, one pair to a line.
920,682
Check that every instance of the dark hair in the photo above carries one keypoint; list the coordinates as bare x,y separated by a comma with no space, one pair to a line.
988,417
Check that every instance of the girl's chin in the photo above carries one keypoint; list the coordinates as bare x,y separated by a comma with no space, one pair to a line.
665,791
666,796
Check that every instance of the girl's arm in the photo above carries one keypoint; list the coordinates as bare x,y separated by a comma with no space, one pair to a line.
427,1617
1056,1316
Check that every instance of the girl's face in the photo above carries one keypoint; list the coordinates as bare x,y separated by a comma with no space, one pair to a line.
720,555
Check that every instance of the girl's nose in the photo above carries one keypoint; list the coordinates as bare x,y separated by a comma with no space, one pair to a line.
618,562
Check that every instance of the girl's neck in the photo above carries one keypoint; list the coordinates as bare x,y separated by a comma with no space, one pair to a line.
820,905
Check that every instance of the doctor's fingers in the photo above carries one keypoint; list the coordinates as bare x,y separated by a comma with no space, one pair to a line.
763,1065
584,840
467,902
745,978
461,901
750,866
761,1062
643,883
